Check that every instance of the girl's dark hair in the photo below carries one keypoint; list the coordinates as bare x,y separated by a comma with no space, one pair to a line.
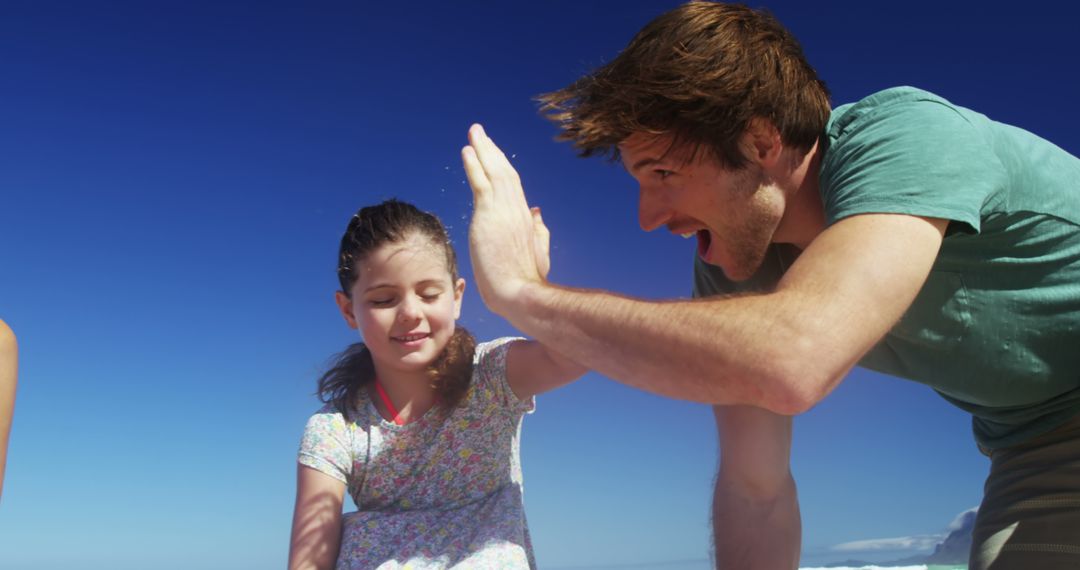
372,227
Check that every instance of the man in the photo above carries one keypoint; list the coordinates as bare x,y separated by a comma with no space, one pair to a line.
902,232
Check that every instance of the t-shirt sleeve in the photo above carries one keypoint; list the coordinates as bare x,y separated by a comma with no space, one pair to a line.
489,373
909,152
325,445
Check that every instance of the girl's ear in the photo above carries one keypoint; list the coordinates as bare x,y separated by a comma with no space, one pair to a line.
345,305
459,292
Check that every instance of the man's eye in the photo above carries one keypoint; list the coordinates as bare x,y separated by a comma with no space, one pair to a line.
663,173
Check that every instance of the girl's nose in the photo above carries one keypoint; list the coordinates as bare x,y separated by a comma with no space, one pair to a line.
409,310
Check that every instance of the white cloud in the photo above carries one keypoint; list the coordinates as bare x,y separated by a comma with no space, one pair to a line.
918,542
903,543
961,518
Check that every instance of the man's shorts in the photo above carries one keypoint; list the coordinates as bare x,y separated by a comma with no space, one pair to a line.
1030,514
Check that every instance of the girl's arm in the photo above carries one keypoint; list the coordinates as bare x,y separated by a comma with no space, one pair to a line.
9,358
316,526
533,368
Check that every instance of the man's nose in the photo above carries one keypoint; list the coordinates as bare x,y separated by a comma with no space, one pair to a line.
652,212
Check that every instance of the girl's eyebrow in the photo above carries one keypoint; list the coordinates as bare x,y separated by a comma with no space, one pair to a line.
421,283
379,286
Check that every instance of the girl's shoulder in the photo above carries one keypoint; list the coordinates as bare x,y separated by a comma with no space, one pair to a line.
329,442
490,356
490,384
329,419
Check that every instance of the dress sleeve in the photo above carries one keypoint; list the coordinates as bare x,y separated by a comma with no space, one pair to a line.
489,374
326,445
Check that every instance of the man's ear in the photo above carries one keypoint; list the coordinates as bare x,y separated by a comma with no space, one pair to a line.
761,142
459,292
345,305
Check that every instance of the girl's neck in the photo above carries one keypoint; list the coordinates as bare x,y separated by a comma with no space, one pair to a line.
410,394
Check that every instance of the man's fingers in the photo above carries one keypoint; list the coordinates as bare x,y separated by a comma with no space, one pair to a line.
540,231
494,161
474,171
541,243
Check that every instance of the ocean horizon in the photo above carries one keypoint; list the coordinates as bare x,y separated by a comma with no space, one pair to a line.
707,565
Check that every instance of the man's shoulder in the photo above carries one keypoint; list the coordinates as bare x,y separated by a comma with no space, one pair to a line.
882,105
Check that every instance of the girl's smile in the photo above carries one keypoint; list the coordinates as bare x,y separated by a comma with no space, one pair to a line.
411,340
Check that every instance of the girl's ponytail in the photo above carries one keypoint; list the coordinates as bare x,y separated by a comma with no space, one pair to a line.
451,373
352,370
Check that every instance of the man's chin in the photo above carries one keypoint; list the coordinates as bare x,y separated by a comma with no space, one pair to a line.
737,276
737,271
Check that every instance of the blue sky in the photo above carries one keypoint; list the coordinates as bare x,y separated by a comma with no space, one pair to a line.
174,180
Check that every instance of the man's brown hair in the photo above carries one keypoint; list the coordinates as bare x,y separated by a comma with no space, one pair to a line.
700,72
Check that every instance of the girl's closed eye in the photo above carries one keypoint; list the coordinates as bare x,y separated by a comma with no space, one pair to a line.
431,294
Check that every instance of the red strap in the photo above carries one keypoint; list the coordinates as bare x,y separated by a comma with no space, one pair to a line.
389,405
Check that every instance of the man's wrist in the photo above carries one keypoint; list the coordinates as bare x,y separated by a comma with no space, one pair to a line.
530,303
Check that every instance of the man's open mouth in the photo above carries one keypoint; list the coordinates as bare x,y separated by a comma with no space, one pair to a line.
704,240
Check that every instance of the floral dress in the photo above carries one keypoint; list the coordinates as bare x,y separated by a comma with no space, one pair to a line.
443,491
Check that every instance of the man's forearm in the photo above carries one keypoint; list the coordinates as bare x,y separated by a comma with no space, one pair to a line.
680,349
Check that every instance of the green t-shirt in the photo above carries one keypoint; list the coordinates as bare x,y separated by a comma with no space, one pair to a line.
996,327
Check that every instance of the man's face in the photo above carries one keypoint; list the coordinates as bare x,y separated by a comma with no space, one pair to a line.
732,213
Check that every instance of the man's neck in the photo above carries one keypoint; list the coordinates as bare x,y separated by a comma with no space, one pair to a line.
804,212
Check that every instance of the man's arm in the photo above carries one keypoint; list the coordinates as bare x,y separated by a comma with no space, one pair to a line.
9,362
755,516
845,291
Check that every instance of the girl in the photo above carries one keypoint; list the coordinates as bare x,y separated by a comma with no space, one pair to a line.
421,423
9,356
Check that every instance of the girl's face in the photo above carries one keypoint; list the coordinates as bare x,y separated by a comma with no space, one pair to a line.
404,303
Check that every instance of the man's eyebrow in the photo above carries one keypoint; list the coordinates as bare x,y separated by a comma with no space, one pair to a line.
643,163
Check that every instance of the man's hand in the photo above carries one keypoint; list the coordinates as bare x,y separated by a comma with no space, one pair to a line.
541,243
508,242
